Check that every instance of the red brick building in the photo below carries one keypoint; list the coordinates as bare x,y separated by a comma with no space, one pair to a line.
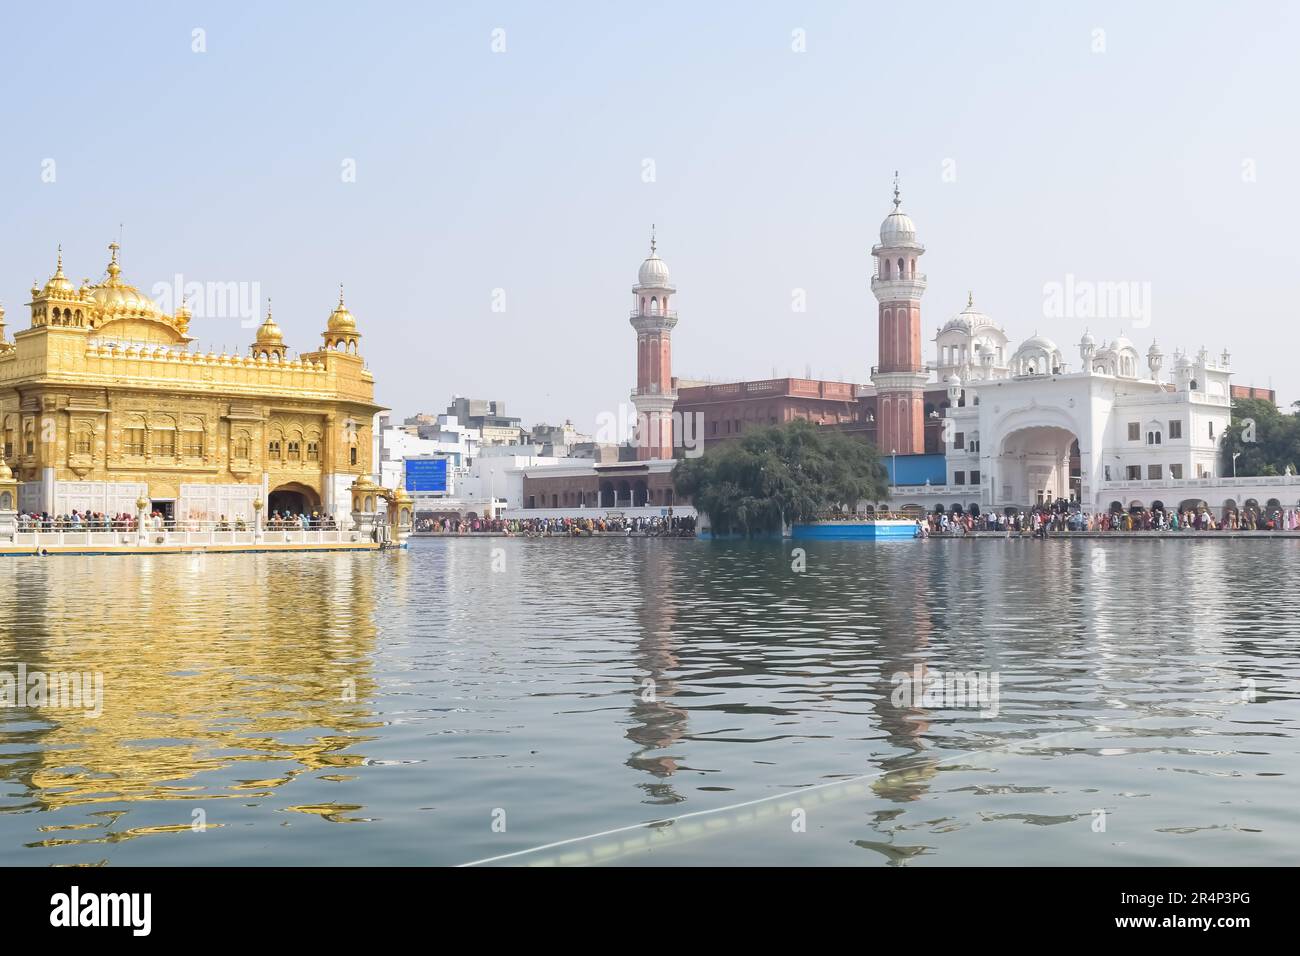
727,410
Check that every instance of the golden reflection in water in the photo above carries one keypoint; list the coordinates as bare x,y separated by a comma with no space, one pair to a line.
224,676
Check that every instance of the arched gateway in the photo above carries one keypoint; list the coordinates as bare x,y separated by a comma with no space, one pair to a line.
1033,465
293,498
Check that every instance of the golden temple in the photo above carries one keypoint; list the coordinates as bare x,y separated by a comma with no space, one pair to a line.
104,402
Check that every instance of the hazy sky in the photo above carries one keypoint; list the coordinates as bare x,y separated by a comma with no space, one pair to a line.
1162,150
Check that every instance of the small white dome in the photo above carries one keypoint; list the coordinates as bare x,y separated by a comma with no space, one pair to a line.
968,319
897,229
1038,342
1087,338
954,380
653,273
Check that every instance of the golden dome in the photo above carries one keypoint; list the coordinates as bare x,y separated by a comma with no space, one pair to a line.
59,285
341,319
5,473
268,333
116,298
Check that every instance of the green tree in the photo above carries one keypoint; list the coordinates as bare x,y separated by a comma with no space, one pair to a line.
779,474
1265,440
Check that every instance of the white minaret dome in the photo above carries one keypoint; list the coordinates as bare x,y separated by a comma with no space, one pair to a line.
898,228
1087,338
653,273
954,380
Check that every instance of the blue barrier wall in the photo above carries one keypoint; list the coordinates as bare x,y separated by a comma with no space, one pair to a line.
917,469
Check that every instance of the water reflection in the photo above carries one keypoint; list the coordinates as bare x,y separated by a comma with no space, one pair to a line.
212,689
380,708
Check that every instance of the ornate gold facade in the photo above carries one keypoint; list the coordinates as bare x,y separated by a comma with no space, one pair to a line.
102,400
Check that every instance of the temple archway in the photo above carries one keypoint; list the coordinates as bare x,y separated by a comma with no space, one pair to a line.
293,498
1033,464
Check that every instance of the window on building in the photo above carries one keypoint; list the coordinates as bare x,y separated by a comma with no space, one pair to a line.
974,477
164,443
134,441
1132,472
1176,428
295,451
959,440
1134,431
1211,430
313,451
352,455
193,444
532,501
555,501
1106,472
1154,473
959,477
1176,472
273,448
242,447
84,442
1153,438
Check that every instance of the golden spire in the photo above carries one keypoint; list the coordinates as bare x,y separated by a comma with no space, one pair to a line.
341,305
114,270
58,286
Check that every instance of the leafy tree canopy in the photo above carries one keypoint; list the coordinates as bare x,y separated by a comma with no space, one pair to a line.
780,474
1268,440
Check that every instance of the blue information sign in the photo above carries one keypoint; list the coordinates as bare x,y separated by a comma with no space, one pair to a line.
426,474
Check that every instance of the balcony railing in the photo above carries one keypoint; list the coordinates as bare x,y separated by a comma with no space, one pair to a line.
1268,481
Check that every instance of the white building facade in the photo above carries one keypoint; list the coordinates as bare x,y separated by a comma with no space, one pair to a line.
1106,426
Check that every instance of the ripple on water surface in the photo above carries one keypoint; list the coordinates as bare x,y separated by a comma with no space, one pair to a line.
421,707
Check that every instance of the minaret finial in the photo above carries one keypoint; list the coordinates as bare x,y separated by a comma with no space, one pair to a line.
268,308
340,295
897,200
653,243
970,299
60,263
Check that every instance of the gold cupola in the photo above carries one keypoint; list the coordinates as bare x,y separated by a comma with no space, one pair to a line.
59,286
124,313
57,302
269,344
341,333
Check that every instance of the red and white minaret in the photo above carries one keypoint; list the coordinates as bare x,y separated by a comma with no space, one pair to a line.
901,375
653,320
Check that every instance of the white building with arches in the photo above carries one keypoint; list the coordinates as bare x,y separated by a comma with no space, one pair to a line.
1101,424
